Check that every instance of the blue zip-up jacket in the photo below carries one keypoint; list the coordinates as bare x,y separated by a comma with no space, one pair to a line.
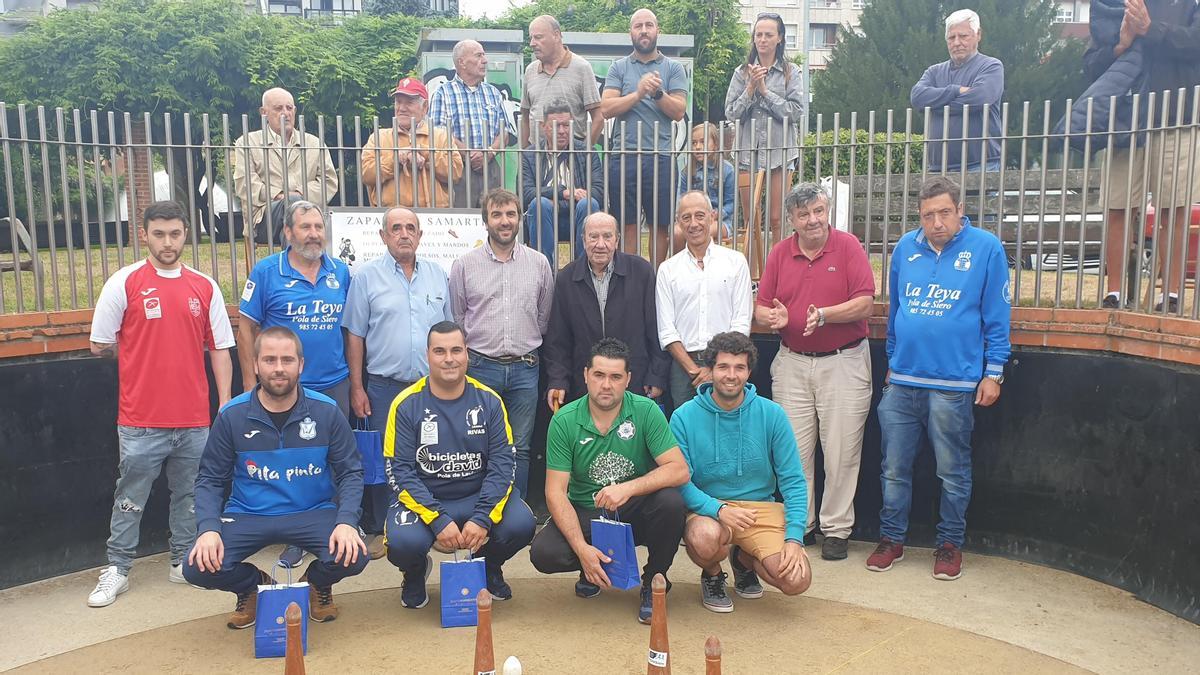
437,450
274,473
742,454
949,312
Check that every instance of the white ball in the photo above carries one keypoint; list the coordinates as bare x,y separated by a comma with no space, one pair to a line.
512,666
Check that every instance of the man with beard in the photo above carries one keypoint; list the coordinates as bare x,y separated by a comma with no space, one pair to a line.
286,457
500,293
161,316
450,459
610,452
644,92
741,451
302,289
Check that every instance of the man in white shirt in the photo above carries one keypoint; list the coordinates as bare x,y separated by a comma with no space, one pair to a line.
702,290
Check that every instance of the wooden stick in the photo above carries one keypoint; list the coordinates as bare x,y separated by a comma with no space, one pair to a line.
658,660
293,663
712,656
485,659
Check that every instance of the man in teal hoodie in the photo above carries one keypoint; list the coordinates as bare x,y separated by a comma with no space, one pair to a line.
741,449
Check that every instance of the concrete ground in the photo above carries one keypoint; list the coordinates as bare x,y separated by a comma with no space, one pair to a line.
1001,616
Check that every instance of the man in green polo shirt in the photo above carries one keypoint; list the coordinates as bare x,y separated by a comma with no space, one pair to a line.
610,452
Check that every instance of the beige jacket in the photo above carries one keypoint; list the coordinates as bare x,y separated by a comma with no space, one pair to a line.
259,159
389,177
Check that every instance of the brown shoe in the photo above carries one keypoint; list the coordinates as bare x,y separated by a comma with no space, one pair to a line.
320,603
247,604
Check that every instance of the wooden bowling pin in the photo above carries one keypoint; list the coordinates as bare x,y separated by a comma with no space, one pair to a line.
485,660
293,663
658,660
712,656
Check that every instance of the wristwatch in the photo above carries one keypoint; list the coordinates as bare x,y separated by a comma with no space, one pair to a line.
657,95
998,379
820,317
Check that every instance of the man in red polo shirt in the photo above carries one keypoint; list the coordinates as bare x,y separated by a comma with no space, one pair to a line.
817,291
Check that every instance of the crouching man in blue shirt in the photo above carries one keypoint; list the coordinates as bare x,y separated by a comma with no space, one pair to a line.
947,343
290,462
741,450
451,461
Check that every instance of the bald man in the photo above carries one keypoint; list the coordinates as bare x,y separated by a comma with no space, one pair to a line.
644,93
473,111
558,75
277,166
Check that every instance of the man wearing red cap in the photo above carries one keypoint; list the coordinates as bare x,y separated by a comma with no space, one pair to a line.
412,163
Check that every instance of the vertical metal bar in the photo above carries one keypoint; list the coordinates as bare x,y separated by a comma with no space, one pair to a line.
341,163
48,204
210,180
1104,190
191,190
119,230
886,220
1041,226
868,213
61,142
1036,268
228,148
1062,206
1140,231
84,216
19,304
1085,182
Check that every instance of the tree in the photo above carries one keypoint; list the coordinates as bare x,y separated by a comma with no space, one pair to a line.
721,40
405,8
876,69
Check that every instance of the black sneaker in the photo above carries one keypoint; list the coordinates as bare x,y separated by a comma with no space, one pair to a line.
745,581
1172,305
1110,302
713,595
586,589
833,548
497,586
412,591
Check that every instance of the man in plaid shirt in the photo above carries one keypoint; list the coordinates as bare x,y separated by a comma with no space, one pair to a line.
473,111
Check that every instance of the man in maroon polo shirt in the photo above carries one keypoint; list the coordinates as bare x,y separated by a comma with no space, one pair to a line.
817,291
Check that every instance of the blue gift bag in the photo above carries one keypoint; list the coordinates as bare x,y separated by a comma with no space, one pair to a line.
615,540
370,448
461,582
270,627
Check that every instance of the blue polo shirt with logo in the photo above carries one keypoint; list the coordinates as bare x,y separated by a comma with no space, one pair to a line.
276,294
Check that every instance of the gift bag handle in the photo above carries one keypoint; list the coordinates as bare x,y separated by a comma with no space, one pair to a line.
280,565
360,424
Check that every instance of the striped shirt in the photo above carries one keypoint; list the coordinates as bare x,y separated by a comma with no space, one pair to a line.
504,306
474,115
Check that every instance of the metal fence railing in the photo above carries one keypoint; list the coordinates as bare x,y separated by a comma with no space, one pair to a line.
72,180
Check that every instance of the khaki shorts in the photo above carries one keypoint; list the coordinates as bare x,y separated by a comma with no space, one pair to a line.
1180,179
765,537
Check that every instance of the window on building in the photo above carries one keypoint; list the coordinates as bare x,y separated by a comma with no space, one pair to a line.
824,4
1065,14
858,4
822,35
791,31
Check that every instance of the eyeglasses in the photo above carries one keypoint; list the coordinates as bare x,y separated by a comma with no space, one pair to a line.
769,15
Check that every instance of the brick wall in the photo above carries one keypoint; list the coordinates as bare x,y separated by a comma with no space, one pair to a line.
1154,337
139,178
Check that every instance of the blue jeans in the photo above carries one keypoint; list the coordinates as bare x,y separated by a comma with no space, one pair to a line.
381,391
546,221
144,453
906,415
517,384
244,534
409,539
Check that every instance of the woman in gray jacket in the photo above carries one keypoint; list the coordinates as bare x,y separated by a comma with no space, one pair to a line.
765,98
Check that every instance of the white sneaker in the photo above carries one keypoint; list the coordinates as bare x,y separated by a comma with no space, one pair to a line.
176,575
112,583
